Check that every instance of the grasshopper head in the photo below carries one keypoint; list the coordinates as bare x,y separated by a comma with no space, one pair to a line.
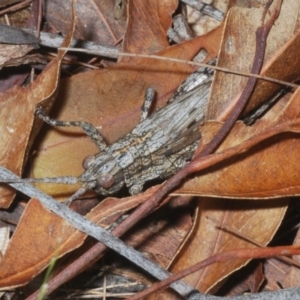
102,173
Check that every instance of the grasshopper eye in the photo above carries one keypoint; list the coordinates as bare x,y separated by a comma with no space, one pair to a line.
88,161
106,180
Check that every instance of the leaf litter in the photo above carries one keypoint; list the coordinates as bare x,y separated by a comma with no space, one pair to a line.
227,207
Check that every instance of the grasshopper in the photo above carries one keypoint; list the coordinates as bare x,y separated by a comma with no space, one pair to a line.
157,147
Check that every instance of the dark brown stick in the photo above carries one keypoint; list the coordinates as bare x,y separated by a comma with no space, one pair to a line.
265,252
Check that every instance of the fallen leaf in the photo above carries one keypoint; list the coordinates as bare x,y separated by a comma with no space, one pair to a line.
281,59
37,239
18,127
258,220
263,163
148,23
95,20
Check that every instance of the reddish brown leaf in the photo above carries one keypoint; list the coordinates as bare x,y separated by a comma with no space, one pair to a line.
281,59
17,117
31,242
262,163
41,235
95,20
147,26
247,217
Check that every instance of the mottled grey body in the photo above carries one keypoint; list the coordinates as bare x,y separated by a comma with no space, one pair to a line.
157,147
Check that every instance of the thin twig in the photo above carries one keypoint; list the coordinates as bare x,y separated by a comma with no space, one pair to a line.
182,61
225,256
15,7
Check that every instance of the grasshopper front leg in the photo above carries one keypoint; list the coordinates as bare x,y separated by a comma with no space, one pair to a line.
90,130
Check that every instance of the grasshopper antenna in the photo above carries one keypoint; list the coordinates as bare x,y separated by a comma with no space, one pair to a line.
62,180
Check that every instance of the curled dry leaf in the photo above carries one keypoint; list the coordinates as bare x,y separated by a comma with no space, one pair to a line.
148,22
95,20
18,127
241,176
53,236
281,59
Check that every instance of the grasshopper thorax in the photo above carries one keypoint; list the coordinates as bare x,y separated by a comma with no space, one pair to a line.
103,173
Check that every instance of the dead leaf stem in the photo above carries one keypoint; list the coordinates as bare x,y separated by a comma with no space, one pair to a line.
265,252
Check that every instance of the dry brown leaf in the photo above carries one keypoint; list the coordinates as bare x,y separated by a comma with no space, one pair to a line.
38,239
95,20
257,220
18,126
31,242
251,219
241,177
148,22
281,59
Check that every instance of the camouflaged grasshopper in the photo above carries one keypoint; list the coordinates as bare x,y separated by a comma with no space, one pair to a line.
157,147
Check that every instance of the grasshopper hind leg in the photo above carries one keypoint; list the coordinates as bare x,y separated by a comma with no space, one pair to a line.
90,130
